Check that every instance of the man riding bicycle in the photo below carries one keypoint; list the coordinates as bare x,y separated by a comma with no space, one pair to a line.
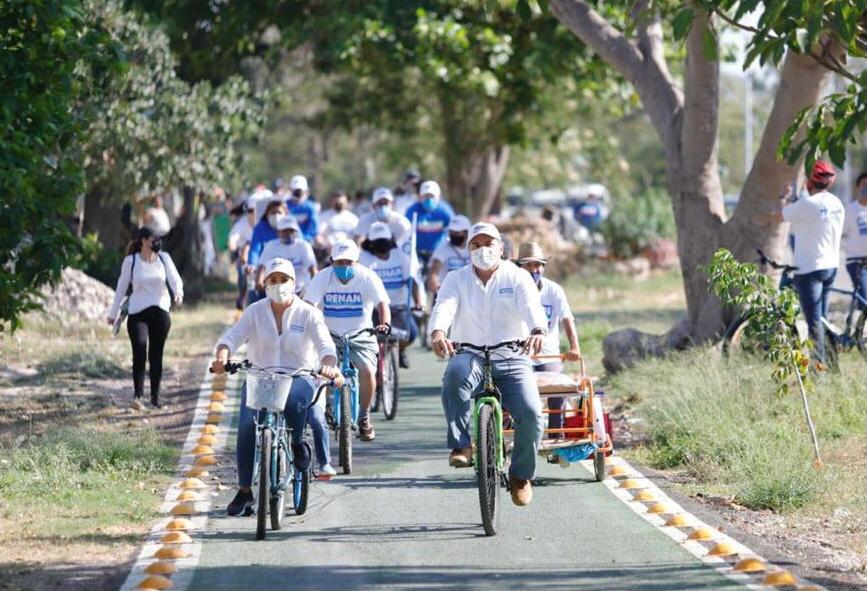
432,216
347,293
485,303
383,211
280,331
451,254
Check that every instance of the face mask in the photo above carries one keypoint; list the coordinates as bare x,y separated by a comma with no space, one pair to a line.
273,219
339,206
381,245
280,293
537,276
344,273
863,191
457,239
382,212
156,245
296,196
485,258
288,240
429,203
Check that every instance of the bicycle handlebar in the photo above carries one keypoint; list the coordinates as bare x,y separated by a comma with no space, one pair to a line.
488,348
763,259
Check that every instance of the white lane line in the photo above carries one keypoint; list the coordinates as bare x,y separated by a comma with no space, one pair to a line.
680,534
180,580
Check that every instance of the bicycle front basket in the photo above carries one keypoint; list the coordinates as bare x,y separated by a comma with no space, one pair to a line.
268,390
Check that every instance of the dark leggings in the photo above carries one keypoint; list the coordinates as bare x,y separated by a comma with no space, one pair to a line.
151,324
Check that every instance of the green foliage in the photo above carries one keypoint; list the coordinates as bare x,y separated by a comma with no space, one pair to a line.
772,314
636,222
44,47
828,31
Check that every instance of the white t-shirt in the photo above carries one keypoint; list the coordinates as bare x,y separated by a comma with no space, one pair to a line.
557,309
303,342
240,234
817,224
346,307
148,284
335,226
300,253
158,221
394,272
403,202
397,223
855,230
452,258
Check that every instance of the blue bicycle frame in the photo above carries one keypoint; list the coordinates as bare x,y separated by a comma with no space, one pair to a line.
350,374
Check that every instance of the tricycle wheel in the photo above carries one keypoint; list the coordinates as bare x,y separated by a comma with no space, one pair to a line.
599,465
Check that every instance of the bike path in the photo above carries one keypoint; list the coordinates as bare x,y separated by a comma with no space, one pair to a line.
406,520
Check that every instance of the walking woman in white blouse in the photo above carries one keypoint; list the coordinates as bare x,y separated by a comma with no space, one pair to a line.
152,282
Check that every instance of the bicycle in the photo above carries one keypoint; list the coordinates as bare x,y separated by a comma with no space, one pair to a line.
852,336
387,381
490,455
345,408
267,393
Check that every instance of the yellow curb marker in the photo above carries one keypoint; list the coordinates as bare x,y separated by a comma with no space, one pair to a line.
213,419
779,578
657,508
202,450
644,495
678,521
197,472
630,483
190,495
206,440
723,549
702,533
218,396
206,461
161,568
211,429
155,582
176,537
192,483
179,524
750,565
216,407
171,552
184,508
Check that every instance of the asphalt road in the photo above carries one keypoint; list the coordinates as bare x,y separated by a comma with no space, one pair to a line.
406,520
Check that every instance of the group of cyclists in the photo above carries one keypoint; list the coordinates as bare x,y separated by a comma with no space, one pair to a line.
308,278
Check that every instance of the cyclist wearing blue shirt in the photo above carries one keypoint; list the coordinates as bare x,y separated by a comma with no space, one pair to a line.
432,218
302,208
264,231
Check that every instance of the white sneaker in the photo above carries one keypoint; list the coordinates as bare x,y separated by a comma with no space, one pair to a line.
327,471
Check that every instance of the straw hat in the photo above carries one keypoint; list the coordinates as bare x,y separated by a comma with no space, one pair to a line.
531,252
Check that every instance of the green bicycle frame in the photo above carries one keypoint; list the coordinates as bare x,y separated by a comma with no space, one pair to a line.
490,396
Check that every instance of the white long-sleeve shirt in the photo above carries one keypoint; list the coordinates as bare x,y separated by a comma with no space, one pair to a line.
505,309
148,284
855,230
302,345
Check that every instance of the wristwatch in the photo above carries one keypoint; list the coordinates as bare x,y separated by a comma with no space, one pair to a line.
539,331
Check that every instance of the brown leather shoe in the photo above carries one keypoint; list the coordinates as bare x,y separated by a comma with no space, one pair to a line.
461,458
522,491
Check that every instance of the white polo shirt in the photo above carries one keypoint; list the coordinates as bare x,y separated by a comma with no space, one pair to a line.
452,257
398,224
394,272
505,309
556,308
817,224
346,307
302,345
299,252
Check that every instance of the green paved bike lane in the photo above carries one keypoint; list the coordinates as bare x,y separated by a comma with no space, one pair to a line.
405,520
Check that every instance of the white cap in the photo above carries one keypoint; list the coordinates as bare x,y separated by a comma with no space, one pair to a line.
430,188
382,193
279,265
288,222
344,250
298,182
460,223
378,231
486,229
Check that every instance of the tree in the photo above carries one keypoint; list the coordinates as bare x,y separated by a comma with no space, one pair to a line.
43,46
629,37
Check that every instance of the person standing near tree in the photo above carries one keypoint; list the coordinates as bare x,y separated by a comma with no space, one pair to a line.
855,233
156,218
151,282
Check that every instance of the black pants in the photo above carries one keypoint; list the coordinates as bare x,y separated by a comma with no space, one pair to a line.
151,324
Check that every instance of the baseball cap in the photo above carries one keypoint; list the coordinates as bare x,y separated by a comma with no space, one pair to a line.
430,188
382,193
298,182
288,222
823,172
280,265
346,250
379,231
486,229
460,223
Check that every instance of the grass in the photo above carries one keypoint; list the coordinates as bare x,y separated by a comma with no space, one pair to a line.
726,427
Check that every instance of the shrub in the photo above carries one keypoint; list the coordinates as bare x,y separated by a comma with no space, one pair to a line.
636,222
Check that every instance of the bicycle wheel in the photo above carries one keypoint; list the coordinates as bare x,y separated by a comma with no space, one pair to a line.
278,501
733,340
859,336
832,350
345,430
487,473
264,483
599,466
301,485
390,384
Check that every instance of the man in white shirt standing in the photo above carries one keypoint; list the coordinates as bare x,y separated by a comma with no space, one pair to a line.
347,293
817,225
485,303
855,233
383,211
532,259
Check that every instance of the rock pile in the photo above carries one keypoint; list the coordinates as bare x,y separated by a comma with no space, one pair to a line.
563,255
76,298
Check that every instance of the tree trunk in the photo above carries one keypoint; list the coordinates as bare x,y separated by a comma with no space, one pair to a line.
102,216
184,243
476,181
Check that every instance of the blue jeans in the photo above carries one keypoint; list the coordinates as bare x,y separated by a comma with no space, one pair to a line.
254,296
813,291
514,377
859,280
296,417
321,443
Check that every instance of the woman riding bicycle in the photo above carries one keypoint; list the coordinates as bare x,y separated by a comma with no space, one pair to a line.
280,331
393,265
